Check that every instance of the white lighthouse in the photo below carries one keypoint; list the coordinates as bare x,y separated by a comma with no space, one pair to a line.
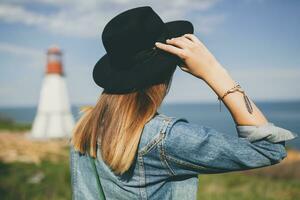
53,118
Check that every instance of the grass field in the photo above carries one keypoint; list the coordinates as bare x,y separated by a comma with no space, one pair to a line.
14,127
238,186
51,180
10,125
40,171
47,180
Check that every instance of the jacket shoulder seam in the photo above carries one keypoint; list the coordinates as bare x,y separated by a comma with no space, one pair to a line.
148,147
168,123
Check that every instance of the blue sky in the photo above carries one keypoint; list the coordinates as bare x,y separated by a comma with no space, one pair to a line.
257,41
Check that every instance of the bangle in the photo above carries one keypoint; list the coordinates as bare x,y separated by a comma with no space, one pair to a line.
237,88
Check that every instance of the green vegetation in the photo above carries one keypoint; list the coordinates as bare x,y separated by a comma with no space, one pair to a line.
51,180
47,180
15,127
238,186
10,125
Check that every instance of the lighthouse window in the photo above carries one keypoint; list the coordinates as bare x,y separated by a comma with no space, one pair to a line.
54,57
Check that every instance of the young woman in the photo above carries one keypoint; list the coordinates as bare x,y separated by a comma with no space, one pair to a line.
142,154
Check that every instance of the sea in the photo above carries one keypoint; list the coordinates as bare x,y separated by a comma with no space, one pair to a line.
285,114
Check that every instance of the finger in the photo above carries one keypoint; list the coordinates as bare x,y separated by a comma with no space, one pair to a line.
170,49
177,42
192,37
187,41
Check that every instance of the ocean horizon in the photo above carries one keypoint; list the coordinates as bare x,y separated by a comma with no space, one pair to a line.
285,114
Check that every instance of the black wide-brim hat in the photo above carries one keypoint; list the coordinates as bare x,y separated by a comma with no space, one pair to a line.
132,61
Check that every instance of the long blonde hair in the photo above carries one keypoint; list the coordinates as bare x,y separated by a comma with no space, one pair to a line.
116,122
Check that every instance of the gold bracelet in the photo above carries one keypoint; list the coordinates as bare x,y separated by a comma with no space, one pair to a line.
237,88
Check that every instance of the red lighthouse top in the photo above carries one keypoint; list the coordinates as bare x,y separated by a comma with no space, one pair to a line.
54,61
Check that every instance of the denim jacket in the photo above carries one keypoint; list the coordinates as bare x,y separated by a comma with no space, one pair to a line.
172,153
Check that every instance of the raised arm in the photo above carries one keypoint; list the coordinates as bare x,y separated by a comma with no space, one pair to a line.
203,149
200,62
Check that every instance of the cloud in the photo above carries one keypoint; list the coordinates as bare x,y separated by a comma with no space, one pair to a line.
207,24
31,57
19,50
87,18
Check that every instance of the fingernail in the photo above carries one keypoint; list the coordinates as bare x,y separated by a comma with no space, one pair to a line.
156,43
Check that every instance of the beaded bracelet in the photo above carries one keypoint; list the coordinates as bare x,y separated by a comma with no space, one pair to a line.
237,88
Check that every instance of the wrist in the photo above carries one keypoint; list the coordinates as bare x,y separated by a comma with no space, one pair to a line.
215,68
219,80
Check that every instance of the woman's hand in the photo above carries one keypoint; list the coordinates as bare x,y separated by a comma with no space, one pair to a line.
198,60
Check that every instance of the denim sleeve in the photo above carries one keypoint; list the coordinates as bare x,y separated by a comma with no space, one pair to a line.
195,149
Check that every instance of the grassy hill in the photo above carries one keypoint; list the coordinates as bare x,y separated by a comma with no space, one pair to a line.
40,170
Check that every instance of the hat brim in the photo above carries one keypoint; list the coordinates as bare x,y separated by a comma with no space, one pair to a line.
153,71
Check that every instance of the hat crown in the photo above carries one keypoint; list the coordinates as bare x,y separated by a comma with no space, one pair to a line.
131,32
130,62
